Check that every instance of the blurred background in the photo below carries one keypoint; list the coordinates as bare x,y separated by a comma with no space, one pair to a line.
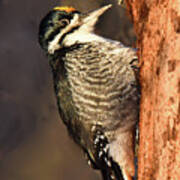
34,144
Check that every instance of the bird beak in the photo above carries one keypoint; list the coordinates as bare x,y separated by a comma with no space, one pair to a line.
91,18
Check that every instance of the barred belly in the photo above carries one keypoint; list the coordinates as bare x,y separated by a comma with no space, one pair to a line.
100,86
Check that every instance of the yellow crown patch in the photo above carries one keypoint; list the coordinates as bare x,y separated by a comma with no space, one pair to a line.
64,8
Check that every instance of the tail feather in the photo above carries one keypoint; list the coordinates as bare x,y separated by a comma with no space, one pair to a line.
112,173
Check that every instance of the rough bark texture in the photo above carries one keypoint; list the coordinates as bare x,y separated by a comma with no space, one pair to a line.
157,25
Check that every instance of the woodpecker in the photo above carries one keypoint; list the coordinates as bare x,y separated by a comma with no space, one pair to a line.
96,86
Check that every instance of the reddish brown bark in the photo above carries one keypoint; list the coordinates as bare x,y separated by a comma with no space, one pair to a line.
157,25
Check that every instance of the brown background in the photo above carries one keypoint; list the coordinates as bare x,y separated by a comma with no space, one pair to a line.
34,144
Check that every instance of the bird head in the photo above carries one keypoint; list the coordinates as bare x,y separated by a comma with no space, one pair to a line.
65,26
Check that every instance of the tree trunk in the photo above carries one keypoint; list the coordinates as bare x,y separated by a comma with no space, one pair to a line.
157,26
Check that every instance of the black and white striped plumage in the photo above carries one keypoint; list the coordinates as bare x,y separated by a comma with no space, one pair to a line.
96,89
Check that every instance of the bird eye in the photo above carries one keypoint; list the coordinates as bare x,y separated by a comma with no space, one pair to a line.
64,22
51,24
